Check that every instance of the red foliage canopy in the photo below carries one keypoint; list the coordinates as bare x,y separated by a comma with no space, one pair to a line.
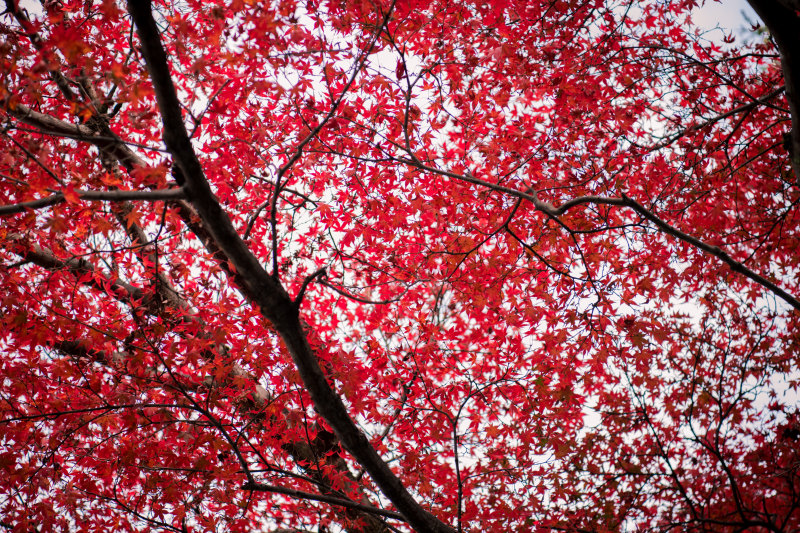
373,265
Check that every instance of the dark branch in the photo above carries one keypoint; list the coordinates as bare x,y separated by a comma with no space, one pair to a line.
82,269
321,273
97,196
302,495
261,289
107,141
356,298
735,265
625,201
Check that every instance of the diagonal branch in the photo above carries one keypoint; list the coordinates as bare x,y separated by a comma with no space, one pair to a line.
717,252
114,150
713,120
262,289
106,140
624,201
304,453
19,14
83,270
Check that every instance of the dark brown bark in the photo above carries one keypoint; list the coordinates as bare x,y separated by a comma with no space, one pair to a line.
782,19
259,286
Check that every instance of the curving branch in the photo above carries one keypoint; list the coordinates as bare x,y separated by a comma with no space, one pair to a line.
22,19
304,453
763,100
115,150
83,270
341,291
530,195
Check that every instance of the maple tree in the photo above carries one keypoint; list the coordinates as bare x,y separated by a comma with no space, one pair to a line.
372,265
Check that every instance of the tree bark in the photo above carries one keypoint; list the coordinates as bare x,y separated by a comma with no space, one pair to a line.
782,19
262,289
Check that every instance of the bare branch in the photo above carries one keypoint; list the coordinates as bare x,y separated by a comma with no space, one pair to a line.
83,269
321,273
356,298
735,265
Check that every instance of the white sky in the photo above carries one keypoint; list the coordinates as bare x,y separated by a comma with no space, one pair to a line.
727,14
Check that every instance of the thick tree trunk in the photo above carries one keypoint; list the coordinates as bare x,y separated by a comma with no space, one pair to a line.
782,19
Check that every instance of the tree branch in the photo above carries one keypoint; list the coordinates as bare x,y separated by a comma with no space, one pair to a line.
106,140
624,201
83,270
321,273
12,7
741,109
96,196
302,495
261,289
735,265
